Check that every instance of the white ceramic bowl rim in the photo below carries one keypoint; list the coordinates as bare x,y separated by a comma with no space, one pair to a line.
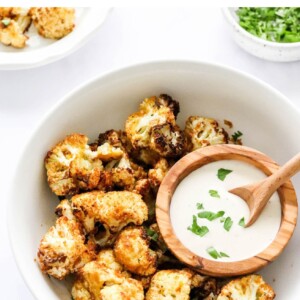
105,76
227,12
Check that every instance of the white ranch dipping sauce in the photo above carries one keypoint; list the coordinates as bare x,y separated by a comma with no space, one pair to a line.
238,243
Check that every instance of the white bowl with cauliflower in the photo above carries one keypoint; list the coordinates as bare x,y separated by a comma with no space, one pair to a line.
35,36
72,196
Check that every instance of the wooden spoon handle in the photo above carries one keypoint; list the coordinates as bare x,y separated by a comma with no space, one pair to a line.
288,170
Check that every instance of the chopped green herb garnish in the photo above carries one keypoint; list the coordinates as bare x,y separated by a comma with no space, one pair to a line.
152,234
210,216
200,206
242,222
5,22
227,224
276,24
214,193
215,254
198,230
222,173
223,254
237,135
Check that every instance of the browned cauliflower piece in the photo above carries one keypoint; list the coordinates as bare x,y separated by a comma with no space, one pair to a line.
62,249
72,165
203,287
97,281
133,252
251,287
154,128
170,284
201,132
157,174
114,210
14,21
53,22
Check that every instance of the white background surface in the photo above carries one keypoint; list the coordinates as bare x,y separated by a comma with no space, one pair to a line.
129,35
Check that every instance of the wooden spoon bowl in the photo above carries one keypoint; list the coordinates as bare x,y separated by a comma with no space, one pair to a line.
201,157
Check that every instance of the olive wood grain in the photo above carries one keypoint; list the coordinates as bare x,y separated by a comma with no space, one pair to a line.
195,160
257,194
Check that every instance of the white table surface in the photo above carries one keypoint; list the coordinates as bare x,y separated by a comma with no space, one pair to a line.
129,35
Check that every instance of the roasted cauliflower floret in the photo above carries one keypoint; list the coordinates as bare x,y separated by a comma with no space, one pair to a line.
72,165
14,21
201,132
53,22
153,127
114,210
107,258
62,249
157,174
170,284
250,287
133,252
97,281
167,140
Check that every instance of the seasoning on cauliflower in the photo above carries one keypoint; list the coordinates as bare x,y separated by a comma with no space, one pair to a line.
98,281
251,287
153,126
62,249
201,132
53,22
170,284
114,210
14,21
133,252
72,165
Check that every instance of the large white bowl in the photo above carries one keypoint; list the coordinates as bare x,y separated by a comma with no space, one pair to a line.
268,120
281,52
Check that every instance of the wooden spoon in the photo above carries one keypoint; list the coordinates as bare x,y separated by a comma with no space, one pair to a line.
258,194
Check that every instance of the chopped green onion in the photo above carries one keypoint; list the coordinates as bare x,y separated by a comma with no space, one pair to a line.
215,254
196,229
210,216
5,22
152,234
237,135
200,206
222,173
242,222
227,224
214,193
223,254
276,24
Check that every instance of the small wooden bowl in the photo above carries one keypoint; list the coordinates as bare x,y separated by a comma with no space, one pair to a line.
198,158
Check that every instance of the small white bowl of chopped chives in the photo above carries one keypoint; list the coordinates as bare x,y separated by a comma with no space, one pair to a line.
271,33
